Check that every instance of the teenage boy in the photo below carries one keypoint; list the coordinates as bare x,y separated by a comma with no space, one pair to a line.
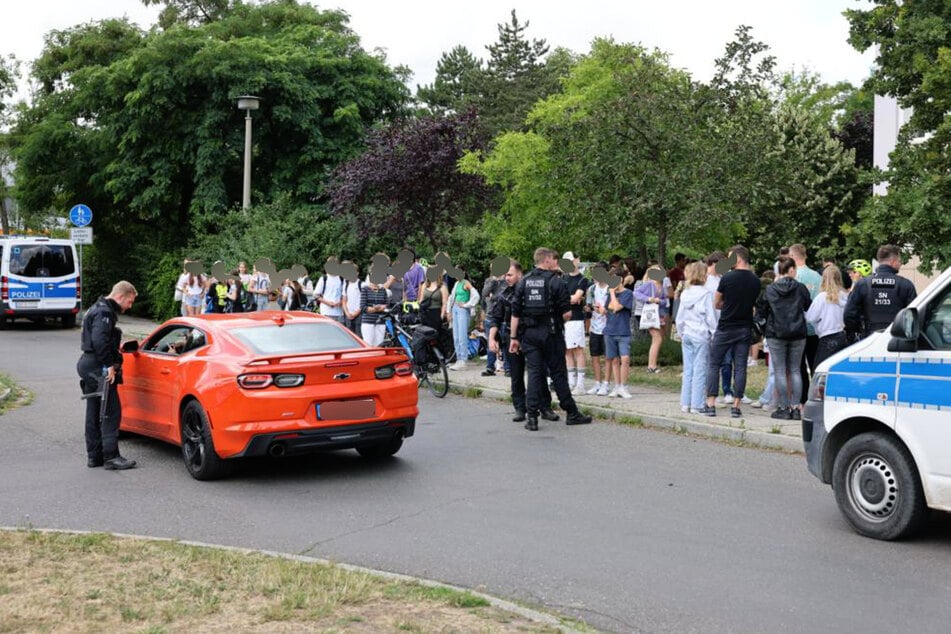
598,297
735,297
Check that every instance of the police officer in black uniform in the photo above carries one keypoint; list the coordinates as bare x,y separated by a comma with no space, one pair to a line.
540,307
875,300
101,362
499,339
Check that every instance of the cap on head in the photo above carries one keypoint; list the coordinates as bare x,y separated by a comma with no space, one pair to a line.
569,256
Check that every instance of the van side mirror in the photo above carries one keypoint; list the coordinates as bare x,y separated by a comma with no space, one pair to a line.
904,331
129,346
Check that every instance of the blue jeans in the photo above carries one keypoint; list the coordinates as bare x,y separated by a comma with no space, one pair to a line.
726,370
768,396
786,355
737,342
696,358
460,332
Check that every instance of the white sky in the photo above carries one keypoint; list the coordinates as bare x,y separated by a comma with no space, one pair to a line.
801,33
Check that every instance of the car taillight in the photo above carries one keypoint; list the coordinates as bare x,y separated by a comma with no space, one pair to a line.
288,380
79,288
398,369
817,389
260,381
4,289
255,381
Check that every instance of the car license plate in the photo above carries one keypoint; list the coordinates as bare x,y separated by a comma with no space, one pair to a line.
346,410
27,304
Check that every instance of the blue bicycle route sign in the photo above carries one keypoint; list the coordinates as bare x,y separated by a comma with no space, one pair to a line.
80,215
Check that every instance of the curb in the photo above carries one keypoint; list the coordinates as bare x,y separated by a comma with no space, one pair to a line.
527,613
697,428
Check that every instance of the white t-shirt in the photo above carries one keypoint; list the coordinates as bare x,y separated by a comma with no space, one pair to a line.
353,296
330,287
601,298
180,286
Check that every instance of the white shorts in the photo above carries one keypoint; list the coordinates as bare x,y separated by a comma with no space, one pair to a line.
574,334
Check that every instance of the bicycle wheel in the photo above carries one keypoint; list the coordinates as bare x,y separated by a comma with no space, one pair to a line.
436,373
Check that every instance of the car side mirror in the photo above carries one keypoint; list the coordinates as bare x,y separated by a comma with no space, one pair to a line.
904,331
129,346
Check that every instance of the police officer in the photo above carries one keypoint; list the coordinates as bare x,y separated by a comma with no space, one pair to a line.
101,362
540,307
875,300
500,318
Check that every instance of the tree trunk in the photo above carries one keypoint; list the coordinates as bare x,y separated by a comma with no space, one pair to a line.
4,216
662,245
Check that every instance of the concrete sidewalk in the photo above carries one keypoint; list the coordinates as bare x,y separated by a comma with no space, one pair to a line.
650,406
656,408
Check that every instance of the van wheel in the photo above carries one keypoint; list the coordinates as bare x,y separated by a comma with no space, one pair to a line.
69,321
877,487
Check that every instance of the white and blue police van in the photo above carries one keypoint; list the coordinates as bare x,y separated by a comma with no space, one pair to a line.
39,279
877,425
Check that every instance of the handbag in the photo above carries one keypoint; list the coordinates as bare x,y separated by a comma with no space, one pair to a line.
650,317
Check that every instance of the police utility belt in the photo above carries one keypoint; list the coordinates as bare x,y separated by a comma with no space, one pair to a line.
543,321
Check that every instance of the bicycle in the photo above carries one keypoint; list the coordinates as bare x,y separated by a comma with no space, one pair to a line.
421,346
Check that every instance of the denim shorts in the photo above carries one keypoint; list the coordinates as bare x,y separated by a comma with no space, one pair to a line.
617,346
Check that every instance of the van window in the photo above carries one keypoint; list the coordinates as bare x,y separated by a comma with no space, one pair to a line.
937,323
41,260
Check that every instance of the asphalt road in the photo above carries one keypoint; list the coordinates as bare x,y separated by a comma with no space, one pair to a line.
628,529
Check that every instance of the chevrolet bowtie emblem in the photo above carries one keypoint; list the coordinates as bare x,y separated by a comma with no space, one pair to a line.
342,376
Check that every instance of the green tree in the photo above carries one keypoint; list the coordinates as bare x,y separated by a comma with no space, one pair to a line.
518,73
9,73
143,126
814,188
190,11
913,64
632,152
457,73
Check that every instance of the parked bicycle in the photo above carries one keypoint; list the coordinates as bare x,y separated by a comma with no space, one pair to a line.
421,346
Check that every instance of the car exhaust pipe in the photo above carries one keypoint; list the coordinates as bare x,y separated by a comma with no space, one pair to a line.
276,450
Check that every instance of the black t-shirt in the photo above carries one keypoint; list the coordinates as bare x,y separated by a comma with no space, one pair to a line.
574,283
739,289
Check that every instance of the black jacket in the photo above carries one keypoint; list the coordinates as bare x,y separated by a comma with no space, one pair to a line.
875,300
101,336
783,305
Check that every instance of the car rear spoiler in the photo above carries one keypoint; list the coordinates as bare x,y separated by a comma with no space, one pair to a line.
343,357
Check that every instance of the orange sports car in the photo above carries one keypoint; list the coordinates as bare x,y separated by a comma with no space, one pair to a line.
226,386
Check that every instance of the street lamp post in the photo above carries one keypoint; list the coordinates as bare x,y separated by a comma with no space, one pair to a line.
247,103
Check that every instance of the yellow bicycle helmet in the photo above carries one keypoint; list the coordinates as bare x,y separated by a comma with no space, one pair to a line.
862,267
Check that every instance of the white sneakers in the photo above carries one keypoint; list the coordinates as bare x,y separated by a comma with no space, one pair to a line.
623,393
602,389
593,389
458,365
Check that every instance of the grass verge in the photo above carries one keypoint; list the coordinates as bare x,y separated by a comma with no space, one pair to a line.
17,397
97,582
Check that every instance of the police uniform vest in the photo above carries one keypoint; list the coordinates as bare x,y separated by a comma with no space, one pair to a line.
881,301
536,301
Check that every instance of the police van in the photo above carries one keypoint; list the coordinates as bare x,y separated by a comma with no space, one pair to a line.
877,425
39,278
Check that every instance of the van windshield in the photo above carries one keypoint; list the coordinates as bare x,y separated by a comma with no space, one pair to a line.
41,260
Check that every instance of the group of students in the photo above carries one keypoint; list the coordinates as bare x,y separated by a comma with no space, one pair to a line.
360,304
801,316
